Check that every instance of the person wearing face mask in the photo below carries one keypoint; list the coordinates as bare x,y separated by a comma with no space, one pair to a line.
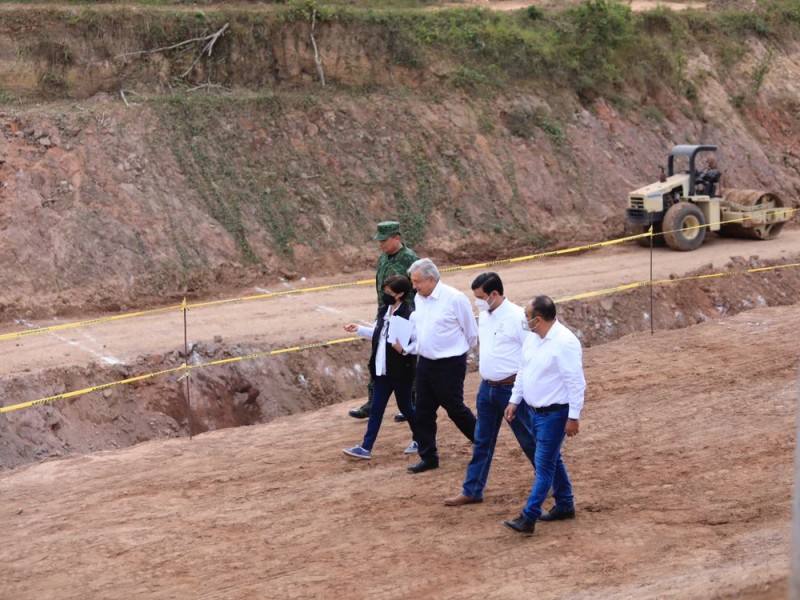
500,338
552,385
392,371
395,259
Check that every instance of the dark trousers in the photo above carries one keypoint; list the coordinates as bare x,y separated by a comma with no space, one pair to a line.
441,383
384,386
370,390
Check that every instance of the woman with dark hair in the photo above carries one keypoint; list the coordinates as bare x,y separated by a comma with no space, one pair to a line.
391,370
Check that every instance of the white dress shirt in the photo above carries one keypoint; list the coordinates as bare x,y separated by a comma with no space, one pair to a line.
552,371
380,353
501,336
444,324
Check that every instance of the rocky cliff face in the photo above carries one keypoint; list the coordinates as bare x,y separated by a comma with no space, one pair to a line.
118,192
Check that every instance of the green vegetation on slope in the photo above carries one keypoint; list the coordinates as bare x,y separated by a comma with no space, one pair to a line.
589,50
594,48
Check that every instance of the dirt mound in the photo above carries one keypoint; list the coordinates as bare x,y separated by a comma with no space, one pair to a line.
682,475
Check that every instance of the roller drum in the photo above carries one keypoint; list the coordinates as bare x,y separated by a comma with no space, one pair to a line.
751,201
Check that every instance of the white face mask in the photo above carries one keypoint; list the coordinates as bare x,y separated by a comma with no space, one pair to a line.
482,305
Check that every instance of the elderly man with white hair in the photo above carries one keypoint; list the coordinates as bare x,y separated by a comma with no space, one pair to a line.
445,331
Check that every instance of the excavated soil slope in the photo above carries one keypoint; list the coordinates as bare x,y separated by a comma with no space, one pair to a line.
128,183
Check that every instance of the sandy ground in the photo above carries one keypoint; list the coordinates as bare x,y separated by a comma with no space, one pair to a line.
682,473
319,316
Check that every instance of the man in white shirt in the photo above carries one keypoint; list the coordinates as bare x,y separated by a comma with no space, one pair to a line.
552,384
446,330
501,335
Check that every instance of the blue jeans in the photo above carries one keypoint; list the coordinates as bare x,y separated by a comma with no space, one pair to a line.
491,404
384,386
548,431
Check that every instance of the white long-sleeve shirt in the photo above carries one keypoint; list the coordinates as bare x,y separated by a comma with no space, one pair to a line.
501,336
552,371
444,324
380,355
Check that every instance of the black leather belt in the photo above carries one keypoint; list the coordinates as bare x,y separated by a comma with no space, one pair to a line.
507,381
445,359
547,409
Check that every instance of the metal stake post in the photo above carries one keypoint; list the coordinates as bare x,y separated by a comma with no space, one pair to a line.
185,376
651,279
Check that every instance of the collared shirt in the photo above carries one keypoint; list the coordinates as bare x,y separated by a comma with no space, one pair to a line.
380,353
552,371
501,336
444,324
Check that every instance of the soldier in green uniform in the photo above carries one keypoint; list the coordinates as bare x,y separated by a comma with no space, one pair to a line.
395,259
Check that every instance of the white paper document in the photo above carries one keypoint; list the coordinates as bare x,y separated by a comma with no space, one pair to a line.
400,330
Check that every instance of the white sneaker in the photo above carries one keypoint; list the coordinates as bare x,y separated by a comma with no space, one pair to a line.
412,448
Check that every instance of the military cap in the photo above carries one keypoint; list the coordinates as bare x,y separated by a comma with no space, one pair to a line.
387,229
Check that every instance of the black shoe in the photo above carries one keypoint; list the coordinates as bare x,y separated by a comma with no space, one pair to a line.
423,466
558,515
359,413
521,524
399,418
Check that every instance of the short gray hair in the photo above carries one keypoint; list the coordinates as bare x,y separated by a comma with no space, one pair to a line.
426,268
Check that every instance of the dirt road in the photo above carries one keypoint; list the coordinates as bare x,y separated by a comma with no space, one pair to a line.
682,474
319,316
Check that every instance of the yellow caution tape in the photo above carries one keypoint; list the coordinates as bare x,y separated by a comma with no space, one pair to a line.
318,288
38,330
185,368
506,261
729,221
234,359
629,286
619,288
184,306
95,388
226,361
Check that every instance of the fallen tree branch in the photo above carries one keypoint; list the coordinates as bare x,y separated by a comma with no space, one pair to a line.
207,48
209,39
316,51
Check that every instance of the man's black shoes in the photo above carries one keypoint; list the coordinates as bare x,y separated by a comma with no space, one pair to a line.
521,524
359,413
558,515
422,466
